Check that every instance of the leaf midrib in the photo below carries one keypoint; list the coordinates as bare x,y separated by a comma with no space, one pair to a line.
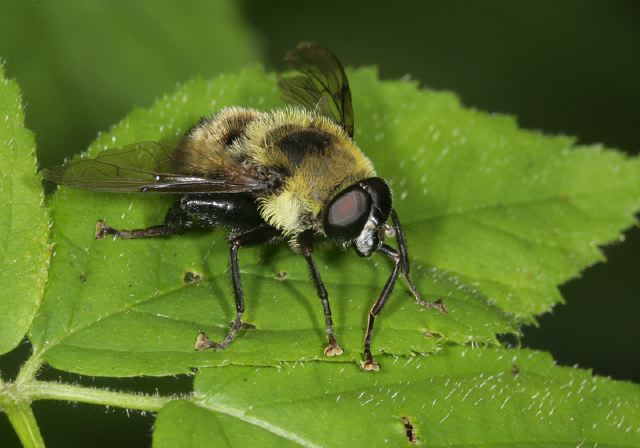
260,423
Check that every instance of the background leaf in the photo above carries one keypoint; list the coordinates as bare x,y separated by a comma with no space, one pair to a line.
458,397
91,66
24,254
496,217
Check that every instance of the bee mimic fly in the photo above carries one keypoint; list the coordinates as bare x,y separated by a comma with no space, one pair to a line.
291,174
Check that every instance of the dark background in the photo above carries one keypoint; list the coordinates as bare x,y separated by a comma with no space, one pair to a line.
568,67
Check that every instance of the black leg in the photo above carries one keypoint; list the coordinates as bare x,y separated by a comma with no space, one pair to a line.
236,211
369,363
175,222
258,235
402,245
403,258
305,240
102,230
400,258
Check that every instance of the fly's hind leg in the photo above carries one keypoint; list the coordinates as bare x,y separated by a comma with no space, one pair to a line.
176,221
259,235
103,230
196,211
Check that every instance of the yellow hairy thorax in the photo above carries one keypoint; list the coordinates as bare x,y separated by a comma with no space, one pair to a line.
312,180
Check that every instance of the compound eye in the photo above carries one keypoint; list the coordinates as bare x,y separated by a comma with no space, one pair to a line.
347,214
381,195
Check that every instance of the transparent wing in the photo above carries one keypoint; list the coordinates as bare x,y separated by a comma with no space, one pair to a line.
322,85
155,167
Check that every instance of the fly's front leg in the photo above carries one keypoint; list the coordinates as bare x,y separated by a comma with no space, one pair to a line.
403,258
370,363
258,235
305,240
400,266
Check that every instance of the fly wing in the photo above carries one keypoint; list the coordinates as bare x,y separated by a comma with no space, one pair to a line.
322,85
155,167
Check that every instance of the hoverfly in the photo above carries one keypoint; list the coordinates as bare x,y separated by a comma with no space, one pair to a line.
291,174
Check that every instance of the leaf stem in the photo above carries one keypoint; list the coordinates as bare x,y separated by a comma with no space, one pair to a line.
29,369
24,423
41,390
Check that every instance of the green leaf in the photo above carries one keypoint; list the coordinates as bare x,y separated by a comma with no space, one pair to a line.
24,253
513,213
458,397
182,421
496,219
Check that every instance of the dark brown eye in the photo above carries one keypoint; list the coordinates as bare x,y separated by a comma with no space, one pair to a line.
381,195
347,213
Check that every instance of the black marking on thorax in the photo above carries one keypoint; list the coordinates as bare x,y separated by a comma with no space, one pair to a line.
232,135
300,143
233,127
